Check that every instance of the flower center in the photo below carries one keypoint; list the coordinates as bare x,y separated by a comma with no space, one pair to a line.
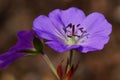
75,34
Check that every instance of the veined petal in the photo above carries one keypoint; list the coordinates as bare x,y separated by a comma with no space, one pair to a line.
86,49
43,23
57,46
55,17
94,43
9,57
95,23
25,41
60,47
72,15
49,36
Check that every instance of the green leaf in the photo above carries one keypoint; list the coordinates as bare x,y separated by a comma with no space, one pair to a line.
38,45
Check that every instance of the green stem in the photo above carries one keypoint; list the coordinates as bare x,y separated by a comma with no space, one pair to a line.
70,57
50,65
70,60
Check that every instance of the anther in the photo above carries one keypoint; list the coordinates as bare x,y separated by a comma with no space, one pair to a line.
81,29
69,25
73,31
78,25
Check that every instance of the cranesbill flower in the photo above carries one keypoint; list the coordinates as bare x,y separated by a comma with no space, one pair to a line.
25,42
72,29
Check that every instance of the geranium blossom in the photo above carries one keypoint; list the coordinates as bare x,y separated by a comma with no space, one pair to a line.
72,29
25,42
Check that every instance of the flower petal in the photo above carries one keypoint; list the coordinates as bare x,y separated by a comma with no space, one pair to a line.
48,36
95,23
43,23
9,57
86,49
25,41
60,47
55,18
94,43
72,15
57,46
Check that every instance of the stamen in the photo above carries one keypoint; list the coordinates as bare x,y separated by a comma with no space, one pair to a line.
78,25
81,29
72,30
75,33
69,36
69,25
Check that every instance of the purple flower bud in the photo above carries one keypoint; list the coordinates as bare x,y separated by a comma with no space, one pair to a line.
25,41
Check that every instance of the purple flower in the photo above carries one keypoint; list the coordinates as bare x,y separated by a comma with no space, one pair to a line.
25,41
71,29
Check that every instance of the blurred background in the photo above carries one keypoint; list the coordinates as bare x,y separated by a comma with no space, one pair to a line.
16,15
